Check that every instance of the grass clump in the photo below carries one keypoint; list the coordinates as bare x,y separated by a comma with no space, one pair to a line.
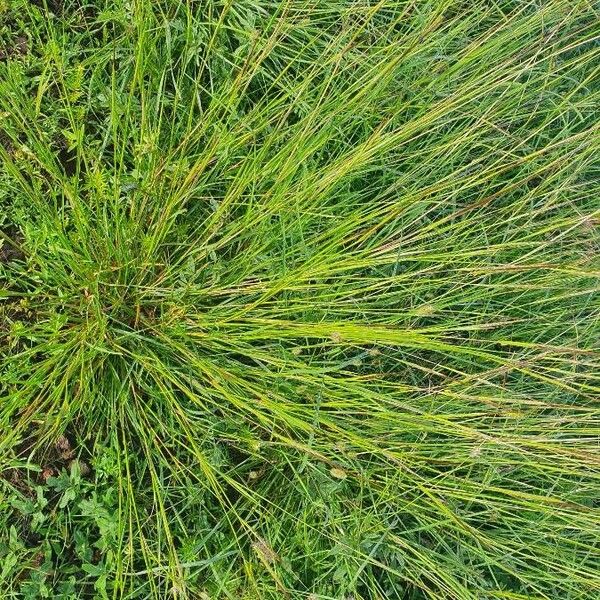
299,299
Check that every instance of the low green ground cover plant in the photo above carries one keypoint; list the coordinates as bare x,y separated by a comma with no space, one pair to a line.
299,299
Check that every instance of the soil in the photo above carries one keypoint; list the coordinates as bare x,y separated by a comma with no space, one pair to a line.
11,252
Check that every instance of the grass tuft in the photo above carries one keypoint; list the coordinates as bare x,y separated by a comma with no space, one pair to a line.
299,299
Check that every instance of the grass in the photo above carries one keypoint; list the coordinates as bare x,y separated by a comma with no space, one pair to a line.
299,299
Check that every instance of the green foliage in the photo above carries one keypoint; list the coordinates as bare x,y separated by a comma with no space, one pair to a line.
61,538
299,299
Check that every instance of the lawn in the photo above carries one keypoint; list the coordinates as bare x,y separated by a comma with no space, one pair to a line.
299,299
